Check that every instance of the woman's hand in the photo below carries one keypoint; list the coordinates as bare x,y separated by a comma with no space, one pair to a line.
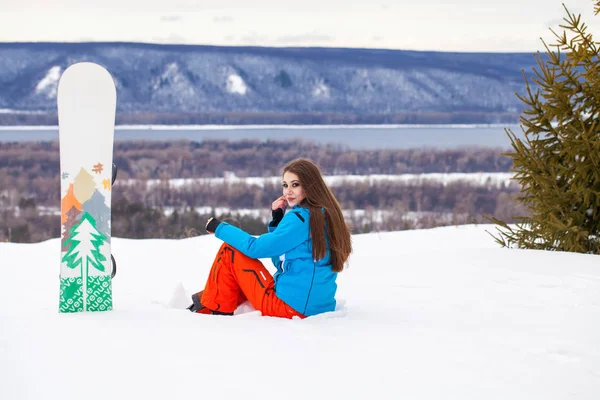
279,203
211,225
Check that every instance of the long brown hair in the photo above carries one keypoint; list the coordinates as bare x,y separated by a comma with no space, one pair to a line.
331,222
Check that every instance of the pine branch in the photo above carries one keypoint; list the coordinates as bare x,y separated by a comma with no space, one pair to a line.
557,163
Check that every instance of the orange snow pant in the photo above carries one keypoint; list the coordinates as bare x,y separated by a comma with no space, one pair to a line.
235,278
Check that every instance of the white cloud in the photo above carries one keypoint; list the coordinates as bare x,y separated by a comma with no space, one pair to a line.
223,19
171,18
462,25
313,37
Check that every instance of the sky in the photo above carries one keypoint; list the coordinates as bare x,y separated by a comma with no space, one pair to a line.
439,25
450,315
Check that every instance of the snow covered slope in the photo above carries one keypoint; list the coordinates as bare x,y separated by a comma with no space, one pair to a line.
177,78
429,314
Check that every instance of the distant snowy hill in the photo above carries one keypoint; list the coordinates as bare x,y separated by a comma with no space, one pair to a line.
176,78
430,314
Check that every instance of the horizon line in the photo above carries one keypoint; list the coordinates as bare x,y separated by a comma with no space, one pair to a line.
198,45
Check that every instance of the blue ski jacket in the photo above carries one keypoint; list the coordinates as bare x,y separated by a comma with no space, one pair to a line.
305,284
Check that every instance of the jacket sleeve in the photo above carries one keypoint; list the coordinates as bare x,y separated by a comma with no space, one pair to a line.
277,217
292,231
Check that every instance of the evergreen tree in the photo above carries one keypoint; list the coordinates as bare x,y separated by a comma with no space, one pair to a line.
84,246
557,162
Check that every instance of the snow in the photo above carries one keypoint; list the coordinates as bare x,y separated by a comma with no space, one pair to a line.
14,111
495,179
429,314
49,84
236,85
173,78
321,90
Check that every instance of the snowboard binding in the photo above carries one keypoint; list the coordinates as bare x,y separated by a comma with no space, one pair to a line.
112,258
114,267
114,174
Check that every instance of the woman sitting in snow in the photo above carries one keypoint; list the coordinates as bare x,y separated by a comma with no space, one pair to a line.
308,245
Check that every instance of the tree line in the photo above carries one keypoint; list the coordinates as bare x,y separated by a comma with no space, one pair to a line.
211,158
30,187
144,211
279,118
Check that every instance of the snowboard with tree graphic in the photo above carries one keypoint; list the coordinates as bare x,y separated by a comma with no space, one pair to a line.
86,100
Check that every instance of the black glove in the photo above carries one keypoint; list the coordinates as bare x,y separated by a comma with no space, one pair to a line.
211,225
277,217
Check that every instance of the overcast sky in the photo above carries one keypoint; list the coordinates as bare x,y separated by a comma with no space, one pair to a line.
442,25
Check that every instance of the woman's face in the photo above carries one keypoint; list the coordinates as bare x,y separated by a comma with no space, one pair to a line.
292,189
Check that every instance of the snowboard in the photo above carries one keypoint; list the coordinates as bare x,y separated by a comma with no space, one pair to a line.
86,101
